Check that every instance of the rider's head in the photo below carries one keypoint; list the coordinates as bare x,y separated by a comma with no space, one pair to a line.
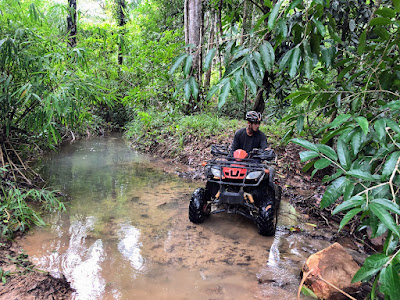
254,118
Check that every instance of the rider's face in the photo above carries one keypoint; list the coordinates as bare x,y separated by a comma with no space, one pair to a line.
254,126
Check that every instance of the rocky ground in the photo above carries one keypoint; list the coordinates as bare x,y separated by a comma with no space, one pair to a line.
23,281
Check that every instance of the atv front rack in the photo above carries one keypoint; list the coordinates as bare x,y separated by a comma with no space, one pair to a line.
234,172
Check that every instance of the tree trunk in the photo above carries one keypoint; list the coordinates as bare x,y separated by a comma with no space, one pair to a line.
209,47
71,23
121,23
194,24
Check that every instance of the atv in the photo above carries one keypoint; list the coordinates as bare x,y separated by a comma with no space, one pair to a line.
241,184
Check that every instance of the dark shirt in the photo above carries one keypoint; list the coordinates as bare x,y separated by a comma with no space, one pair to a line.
243,141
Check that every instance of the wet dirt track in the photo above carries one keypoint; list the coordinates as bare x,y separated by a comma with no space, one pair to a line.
126,235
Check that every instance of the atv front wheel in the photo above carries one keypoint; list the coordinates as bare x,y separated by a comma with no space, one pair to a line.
265,220
198,208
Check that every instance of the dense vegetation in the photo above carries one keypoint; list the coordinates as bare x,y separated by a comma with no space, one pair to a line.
328,71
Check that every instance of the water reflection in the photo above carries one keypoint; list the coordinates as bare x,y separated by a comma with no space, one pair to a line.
129,245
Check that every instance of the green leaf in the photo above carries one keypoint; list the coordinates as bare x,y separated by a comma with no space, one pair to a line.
389,280
294,62
223,95
283,28
322,163
361,174
300,123
343,154
356,143
339,120
177,62
307,292
212,91
305,144
394,207
380,130
386,12
396,4
390,164
250,82
371,266
334,191
307,155
380,21
188,65
350,214
273,15
194,87
285,59
321,83
361,42
209,58
268,55
363,122
353,202
187,91
384,216
254,71
308,65
328,151
320,27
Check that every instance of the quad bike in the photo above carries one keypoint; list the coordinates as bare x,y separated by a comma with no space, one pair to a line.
243,184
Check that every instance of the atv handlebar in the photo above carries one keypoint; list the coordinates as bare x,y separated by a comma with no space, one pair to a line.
224,151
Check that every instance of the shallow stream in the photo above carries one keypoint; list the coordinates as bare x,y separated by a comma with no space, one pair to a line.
126,234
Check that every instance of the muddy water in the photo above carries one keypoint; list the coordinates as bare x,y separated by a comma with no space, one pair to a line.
126,234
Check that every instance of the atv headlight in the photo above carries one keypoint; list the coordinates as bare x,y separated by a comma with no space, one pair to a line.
216,172
253,175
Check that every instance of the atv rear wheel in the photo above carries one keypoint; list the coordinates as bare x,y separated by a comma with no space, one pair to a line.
198,207
266,221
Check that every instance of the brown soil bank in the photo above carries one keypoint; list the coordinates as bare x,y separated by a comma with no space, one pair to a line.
23,281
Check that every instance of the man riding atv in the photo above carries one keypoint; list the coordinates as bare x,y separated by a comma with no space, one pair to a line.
240,180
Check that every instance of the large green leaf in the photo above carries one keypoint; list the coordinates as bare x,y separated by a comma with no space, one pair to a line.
380,21
208,59
250,82
362,175
294,62
372,265
187,91
285,59
340,120
384,216
178,61
223,95
350,214
343,154
396,4
353,202
356,142
390,164
254,70
307,155
388,205
380,130
328,151
268,55
389,279
322,163
194,88
334,191
188,65
273,15
363,122
300,123
305,144
361,42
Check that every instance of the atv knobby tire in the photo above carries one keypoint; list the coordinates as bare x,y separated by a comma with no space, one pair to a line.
266,220
198,211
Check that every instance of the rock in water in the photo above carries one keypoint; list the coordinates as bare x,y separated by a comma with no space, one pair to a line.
335,266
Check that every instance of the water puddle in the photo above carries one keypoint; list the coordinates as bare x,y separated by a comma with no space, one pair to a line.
126,234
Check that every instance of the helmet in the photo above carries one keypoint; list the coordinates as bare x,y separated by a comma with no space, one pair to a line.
253,116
